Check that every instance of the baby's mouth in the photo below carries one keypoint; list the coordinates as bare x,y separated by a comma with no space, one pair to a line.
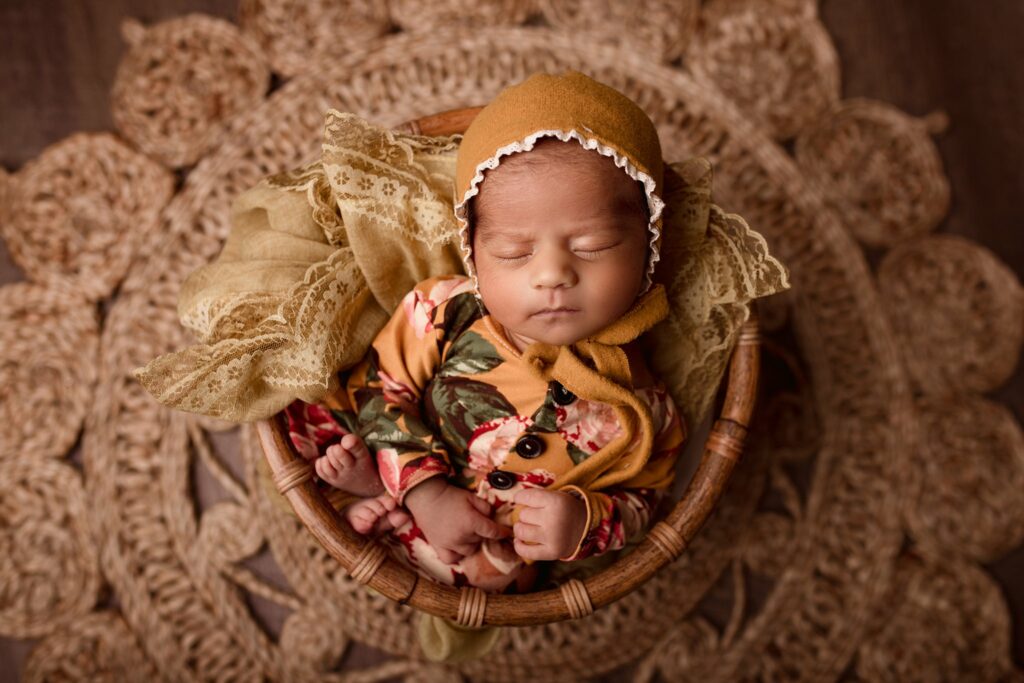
555,312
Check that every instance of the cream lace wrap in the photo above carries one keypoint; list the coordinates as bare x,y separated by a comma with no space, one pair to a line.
317,258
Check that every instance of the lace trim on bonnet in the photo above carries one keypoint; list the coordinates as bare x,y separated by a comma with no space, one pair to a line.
654,202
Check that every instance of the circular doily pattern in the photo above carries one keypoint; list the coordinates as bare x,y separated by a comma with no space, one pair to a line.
180,81
969,467
879,168
968,633
80,210
779,68
661,29
958,312
294,33
49,574
97,647
714,10
48,353
416,16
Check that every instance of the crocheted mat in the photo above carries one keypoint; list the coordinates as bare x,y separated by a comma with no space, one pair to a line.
878,480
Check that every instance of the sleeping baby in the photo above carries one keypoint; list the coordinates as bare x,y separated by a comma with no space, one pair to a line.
506,416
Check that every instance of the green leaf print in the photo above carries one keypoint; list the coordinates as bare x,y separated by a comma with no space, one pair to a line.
346,419
460,312
471,354
544,419
383,422
578,455
464,404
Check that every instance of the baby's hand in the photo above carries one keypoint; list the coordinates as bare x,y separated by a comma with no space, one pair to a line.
349,466
454,520
550,524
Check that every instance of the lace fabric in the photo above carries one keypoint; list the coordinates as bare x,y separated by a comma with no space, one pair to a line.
316,258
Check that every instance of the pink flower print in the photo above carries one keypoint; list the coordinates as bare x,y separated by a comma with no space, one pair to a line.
588,425
304,445
398,479
421,555
491,442
390,469
449,288
417,313
312,428
663,409
419,308
395,391
493,567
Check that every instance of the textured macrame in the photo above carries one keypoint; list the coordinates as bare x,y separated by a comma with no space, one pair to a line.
301,287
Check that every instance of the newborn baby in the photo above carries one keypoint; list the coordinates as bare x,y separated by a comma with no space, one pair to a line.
510,413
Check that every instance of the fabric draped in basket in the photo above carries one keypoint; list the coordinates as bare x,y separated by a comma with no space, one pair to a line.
318,257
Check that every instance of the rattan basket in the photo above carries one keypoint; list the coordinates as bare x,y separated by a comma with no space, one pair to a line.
369,562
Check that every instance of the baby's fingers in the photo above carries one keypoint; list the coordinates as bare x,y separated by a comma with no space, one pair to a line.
533,551
530,533
481,505
485,527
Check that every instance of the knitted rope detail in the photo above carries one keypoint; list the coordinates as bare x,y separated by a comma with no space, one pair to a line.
371,557
574,592
472,605
668,540
292,474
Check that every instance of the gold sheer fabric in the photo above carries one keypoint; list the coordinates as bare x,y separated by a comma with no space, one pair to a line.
317,257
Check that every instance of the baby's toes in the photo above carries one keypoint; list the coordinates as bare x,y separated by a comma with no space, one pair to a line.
340,457
326,470
398,517
362,520
354,445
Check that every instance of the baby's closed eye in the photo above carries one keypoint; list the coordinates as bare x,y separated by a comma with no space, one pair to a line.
593,248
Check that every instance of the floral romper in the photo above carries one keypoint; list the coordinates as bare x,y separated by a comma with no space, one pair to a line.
442,392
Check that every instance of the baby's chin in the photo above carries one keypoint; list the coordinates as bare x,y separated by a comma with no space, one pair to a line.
556,335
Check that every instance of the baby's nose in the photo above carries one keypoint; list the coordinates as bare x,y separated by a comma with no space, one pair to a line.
553,269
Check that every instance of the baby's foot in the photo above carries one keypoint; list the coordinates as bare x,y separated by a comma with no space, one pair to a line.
375,515
349,467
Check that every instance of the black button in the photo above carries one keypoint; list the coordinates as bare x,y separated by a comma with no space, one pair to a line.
562,396
500,479
530,446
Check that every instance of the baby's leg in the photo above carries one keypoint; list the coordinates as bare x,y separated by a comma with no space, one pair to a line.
375,515
349,466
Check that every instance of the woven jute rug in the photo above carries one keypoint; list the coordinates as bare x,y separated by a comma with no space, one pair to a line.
850,545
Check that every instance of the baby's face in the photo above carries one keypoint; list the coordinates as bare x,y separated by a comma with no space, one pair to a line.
559,243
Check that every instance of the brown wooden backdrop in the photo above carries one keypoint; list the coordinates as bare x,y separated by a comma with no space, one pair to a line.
58,58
